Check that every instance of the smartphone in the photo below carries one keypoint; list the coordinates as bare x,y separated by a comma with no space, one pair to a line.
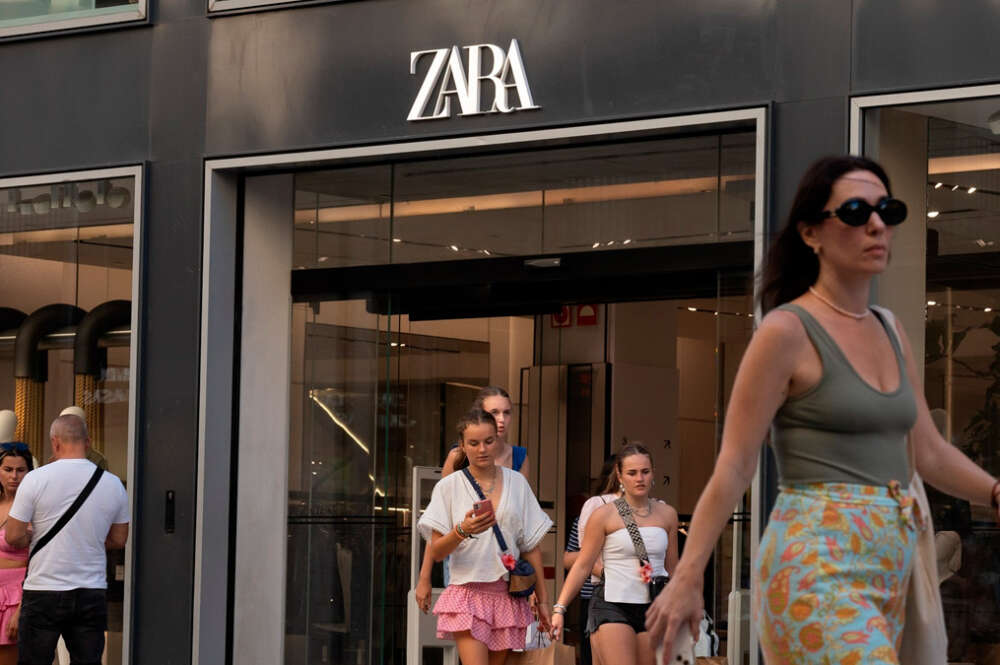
482,507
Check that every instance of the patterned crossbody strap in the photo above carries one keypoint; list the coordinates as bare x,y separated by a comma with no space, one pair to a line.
633,531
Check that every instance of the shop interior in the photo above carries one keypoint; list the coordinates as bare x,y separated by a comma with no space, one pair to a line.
65,328
607,287
944,161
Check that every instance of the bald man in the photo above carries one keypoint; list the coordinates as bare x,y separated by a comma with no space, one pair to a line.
64,590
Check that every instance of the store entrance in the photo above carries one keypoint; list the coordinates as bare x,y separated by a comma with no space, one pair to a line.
593,351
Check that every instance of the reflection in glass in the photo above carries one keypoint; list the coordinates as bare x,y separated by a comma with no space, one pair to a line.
16,13
947,160
70,243
646,193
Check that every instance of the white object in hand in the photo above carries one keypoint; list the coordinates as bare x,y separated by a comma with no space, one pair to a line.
682,652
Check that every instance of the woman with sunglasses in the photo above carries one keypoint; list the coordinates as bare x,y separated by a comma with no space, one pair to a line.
15,463
837,380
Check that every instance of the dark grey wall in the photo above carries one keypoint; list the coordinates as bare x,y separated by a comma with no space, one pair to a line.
186,87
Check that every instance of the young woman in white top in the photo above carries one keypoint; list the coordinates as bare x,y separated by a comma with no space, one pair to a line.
495,401
476,609
618,608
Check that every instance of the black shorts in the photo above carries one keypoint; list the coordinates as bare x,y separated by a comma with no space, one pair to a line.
603,611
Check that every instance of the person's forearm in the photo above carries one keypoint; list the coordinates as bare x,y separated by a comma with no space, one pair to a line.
428,565
712,512
18,541
948,469
534,557
573,582
444,545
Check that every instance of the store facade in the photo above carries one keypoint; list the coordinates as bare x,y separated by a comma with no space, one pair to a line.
348,215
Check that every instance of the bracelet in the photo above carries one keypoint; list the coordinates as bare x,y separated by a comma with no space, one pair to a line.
559,608
463,534
993,495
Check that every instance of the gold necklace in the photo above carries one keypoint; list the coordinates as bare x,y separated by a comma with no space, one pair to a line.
839,310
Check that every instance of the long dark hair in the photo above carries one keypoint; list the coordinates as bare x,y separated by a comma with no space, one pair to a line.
24,454
791,266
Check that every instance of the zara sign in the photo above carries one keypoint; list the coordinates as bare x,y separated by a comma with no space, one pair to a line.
451,75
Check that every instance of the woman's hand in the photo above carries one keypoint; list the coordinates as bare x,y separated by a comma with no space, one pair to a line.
681,601
423,594
473,524
544,625
556,625
15,617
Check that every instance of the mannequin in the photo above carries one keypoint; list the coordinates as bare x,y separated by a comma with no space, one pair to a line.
8,425
94,456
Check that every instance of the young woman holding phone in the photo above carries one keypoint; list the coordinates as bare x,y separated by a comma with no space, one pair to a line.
476,609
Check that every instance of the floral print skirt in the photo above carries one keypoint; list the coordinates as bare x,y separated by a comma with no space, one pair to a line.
830,582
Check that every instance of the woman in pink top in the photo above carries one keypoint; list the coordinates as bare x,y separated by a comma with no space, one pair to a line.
15,463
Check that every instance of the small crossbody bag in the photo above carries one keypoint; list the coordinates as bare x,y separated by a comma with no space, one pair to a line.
657,582
522,580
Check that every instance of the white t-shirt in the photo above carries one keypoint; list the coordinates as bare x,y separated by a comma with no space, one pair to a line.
589,506
522,522
76,557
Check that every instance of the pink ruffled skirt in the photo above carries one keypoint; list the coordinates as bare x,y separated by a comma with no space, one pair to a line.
10,598
487,611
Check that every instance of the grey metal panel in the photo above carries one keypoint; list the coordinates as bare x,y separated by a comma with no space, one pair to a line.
327,75
803,132
265,379
168,400
74,102
813,49
908,44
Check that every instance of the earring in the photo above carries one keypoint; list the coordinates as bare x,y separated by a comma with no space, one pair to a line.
816,250
621,488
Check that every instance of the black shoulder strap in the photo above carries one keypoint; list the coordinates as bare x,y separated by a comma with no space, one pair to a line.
482,497
68,515
633,531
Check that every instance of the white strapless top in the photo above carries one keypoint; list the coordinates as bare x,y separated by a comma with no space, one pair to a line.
622,582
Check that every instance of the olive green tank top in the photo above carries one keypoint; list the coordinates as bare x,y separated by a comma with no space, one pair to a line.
843,430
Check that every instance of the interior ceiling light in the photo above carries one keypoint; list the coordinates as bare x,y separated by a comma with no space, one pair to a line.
453,248
971,189
954,188
523,199
933,213
938,185
627,241
595,245
931,303
397,240
323,259
987,309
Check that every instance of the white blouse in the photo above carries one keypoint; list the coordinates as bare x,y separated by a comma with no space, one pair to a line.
522,522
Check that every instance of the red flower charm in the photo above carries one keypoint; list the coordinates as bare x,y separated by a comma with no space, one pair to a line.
508,561
646,572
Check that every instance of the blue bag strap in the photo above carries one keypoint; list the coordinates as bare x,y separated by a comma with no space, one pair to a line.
482,497
518,456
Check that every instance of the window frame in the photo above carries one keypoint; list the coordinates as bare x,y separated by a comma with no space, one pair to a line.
137,172
137,13
222,7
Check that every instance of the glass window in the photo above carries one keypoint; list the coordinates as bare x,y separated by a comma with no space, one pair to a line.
669,191
18,17
227,5
66,263
944,161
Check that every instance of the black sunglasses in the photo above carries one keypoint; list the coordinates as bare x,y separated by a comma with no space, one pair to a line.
14,447
855,212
